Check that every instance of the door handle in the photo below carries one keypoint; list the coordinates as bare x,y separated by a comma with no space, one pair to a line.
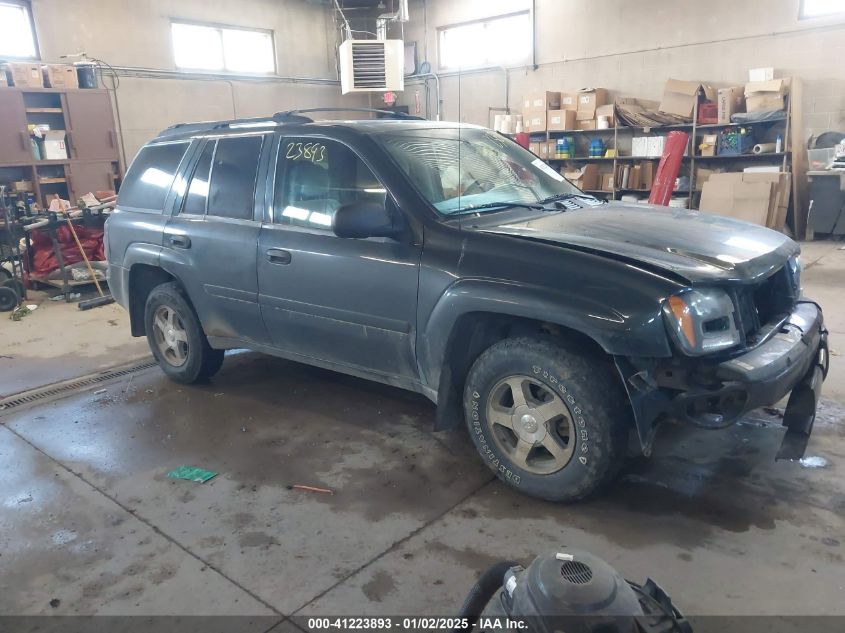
278,256
180,241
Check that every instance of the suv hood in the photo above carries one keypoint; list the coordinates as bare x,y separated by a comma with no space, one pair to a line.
699,247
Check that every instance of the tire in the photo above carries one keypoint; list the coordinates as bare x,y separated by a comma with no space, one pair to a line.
9,299
565,436
176,337
16,285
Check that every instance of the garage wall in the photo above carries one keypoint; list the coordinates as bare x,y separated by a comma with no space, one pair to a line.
631,48
134,36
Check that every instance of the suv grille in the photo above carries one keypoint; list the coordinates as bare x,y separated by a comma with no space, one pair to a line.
765,303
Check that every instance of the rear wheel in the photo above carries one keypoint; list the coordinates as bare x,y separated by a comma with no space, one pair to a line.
548,420
176,337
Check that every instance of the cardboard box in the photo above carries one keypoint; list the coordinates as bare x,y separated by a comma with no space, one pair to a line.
762,198
680,97
22,186
608,111
569,101
541,101
24,75
639,146
765,103
635,177
534,148
53,146
607,182
587,178
585,125
766,96
761,74
535,121
730,101
589,99
561,120
551,148
708,145
702,175
59,76
738,200
646,175
656,145
543,150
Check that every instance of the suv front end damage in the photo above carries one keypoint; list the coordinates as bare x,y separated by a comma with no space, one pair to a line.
779,347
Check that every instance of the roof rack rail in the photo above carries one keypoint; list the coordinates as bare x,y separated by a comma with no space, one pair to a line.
295,116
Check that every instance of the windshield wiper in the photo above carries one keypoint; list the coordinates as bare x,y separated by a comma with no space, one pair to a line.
565,196
495,205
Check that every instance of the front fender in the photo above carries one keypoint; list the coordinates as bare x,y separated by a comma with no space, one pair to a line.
633,329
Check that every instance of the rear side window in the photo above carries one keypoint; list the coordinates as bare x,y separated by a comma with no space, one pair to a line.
233,172
150,176
198,189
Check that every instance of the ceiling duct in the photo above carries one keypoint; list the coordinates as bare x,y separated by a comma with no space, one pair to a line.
400,14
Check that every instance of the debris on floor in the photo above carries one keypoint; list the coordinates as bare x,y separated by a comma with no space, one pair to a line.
773,411
192,473
305,488
19,313
813,462
71,295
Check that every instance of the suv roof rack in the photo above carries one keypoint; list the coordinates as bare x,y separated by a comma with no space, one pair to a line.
280,118
295,116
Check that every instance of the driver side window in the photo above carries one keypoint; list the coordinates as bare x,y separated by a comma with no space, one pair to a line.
315,177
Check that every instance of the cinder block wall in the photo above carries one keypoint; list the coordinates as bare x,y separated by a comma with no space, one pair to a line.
136,34
632,48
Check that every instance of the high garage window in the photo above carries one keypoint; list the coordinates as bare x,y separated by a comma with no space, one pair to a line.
821,8
500,41
230,49
17,35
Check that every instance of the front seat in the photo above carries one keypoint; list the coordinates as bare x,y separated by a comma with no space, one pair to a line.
308,196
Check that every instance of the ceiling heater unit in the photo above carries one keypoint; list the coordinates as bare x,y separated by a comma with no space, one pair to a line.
372,65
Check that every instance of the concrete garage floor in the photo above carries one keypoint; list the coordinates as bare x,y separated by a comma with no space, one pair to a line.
90,524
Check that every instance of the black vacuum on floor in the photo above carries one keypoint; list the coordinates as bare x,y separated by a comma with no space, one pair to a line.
569,591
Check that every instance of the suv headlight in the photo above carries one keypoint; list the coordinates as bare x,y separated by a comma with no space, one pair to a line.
702,321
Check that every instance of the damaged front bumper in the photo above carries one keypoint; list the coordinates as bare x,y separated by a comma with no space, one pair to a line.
715,394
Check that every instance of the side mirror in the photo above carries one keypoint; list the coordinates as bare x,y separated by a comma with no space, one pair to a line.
365,219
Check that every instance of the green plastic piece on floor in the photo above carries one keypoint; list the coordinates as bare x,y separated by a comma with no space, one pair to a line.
192,473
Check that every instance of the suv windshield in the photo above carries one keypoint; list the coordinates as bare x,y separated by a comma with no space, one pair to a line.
461,170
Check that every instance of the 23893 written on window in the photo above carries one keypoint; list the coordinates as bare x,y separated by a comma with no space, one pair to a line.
17,39
228,49
499,41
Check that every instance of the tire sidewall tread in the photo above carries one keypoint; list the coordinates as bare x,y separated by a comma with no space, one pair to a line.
202,361
588,387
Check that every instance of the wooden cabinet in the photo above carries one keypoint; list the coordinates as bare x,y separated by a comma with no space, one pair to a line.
93,161
85,176
91,133
14,139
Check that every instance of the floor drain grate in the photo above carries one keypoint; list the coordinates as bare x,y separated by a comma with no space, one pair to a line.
57,389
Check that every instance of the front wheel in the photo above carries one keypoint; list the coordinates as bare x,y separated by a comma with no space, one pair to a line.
176,337
548,420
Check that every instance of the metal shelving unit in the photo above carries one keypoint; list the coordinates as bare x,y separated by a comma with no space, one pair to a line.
689,162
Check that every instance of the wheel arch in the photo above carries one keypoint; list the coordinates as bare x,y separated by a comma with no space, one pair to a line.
474,314
142,279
